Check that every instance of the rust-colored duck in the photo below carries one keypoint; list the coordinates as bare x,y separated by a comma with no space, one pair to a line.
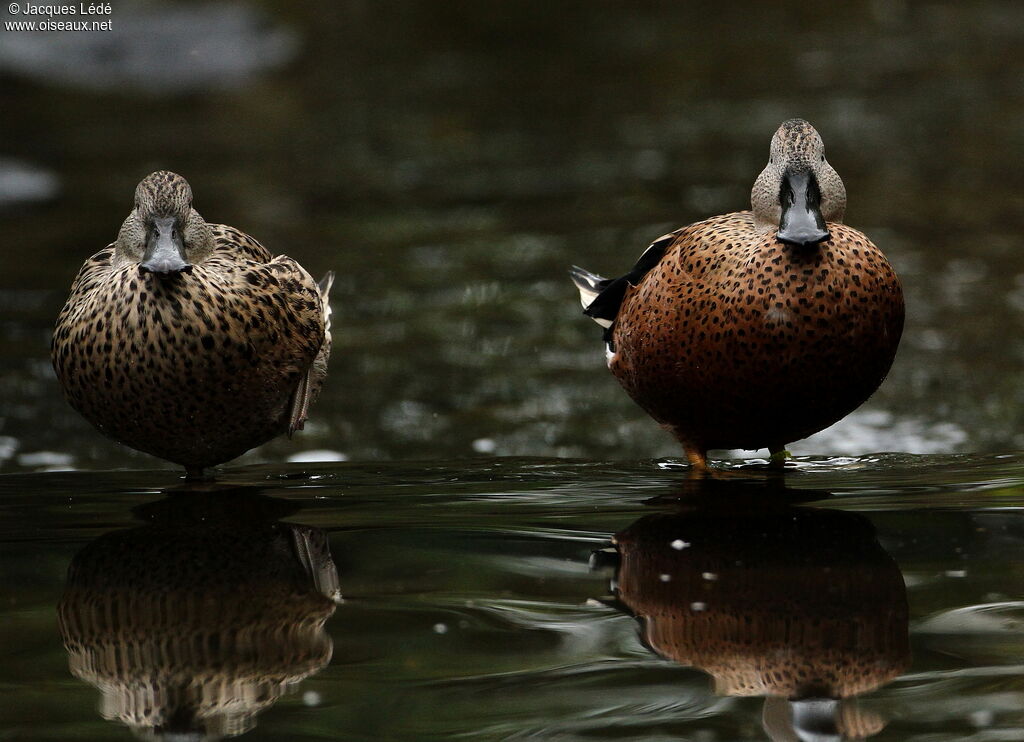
189,340
756,328
800,605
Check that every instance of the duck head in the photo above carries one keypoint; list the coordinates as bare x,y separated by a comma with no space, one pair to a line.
798,192
163,234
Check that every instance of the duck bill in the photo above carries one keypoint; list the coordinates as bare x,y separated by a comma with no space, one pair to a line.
165,250
801,223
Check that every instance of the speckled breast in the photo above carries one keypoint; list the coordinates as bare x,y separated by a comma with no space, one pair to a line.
735,340
195,370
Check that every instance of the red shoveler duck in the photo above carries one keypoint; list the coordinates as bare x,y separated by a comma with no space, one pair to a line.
757,328
189,340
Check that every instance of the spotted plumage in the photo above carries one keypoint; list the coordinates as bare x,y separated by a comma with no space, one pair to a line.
756,328
194,623
783,601
189,340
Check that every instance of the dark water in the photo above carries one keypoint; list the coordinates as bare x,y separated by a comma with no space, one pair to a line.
462,601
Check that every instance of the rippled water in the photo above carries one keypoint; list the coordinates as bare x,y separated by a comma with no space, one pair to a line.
860,596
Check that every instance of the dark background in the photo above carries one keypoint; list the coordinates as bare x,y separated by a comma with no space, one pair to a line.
449,160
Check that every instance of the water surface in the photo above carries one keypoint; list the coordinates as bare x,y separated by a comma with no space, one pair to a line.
463,600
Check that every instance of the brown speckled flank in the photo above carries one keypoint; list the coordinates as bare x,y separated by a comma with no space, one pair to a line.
735,339
200,365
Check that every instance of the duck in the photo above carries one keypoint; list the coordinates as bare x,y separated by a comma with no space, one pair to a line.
756,328
799,605
217,614
188,340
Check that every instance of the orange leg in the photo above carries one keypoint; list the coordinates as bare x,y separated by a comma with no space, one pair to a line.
697,456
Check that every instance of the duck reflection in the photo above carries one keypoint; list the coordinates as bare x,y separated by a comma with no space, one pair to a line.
798,604
192,624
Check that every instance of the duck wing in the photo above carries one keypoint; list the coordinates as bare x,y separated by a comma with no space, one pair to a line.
309,384
234,243
602,297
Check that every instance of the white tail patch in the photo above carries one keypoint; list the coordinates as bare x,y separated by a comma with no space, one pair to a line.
590,285
587,296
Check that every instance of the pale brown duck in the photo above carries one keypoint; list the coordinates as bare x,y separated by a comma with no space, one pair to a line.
756,328
195,623
189,340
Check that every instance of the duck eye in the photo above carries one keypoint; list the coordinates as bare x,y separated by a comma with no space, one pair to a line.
823,158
